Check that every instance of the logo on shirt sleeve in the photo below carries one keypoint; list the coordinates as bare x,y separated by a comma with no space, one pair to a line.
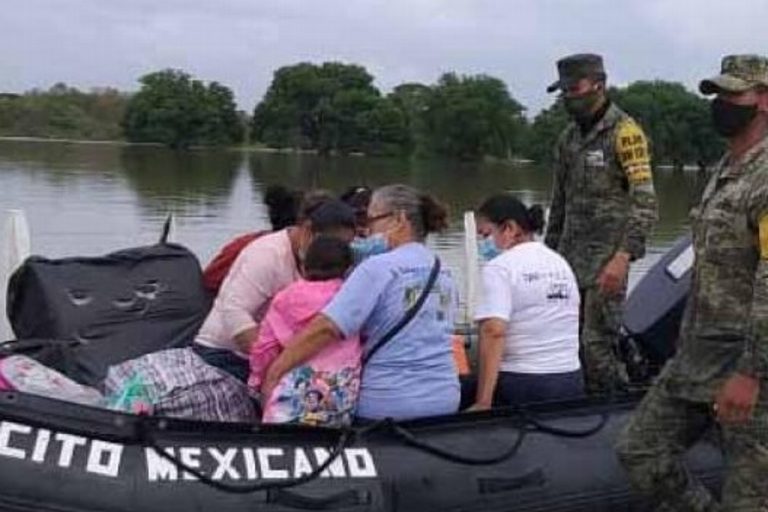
763,236
632,152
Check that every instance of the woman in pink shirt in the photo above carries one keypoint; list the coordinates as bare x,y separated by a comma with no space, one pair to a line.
263,268
323,390
282,205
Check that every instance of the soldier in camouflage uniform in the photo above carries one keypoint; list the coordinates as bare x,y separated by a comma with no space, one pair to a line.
720,371
603,208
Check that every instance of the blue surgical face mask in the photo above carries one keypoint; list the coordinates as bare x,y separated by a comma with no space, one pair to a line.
369,246
487,248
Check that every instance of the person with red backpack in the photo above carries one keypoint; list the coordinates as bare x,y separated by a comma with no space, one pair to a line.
264,267
282,208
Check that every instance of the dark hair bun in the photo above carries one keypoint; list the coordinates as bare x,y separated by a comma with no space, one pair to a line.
434,214
536,218
282,206
277,194
504,207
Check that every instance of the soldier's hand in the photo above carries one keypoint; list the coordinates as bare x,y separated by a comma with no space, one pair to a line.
614,274
735,402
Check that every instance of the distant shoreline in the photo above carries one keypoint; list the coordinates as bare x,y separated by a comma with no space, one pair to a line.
261,149
115,142
119,142
250,148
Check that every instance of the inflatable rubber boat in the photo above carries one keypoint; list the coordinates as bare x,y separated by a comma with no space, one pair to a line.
81,315
56,456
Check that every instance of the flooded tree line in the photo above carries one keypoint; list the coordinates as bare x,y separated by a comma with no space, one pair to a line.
335,108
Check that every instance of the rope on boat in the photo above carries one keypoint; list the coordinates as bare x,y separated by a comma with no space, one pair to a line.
534,424
409,439
561,432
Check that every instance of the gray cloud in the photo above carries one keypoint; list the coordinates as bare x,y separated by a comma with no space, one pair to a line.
240,42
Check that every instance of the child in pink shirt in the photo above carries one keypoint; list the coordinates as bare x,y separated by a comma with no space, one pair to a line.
323,390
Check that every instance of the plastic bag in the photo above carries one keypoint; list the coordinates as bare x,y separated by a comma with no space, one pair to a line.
135,397
22,373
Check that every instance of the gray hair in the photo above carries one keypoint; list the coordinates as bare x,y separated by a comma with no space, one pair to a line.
422,211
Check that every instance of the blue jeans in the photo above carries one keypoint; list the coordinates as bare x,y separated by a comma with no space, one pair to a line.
225,360
520,388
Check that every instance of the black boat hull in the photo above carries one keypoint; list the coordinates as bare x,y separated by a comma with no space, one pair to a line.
56,456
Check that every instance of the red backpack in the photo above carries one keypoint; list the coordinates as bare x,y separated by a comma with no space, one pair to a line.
218,268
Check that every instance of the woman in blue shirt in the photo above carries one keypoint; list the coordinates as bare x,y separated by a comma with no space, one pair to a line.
413,374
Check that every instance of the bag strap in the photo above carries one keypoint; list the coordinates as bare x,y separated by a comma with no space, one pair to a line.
409,314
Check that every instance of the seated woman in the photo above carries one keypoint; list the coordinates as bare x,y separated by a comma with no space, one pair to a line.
413,374
282,208
528,311
263,268
323,390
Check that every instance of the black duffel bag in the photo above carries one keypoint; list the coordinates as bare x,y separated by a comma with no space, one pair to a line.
105,310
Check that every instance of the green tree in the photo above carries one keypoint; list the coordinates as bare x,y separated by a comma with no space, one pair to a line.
386,129
341,120
332,107
412,99
468,117
63,112
286,115
174,109
222,124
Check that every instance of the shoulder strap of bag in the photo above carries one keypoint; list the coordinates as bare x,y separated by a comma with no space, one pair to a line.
409,314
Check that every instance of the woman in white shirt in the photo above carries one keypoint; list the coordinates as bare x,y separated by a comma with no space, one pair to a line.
528,311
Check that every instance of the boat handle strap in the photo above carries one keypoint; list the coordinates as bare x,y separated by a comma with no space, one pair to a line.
343,499
534,478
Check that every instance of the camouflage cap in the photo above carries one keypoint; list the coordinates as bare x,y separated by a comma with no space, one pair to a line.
738,73
575,67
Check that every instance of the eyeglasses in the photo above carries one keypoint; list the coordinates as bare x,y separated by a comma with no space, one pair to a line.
371,220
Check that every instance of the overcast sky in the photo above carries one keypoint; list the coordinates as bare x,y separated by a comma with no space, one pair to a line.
240,43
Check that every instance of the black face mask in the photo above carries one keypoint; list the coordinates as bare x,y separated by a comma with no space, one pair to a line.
731,119
581,107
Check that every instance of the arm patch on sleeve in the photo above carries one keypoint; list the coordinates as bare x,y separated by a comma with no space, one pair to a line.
632,152
763,236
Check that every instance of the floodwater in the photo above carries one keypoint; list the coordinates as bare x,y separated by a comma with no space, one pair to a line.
89,199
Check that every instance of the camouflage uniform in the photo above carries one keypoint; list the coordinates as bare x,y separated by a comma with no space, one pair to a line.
724,331
603,201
